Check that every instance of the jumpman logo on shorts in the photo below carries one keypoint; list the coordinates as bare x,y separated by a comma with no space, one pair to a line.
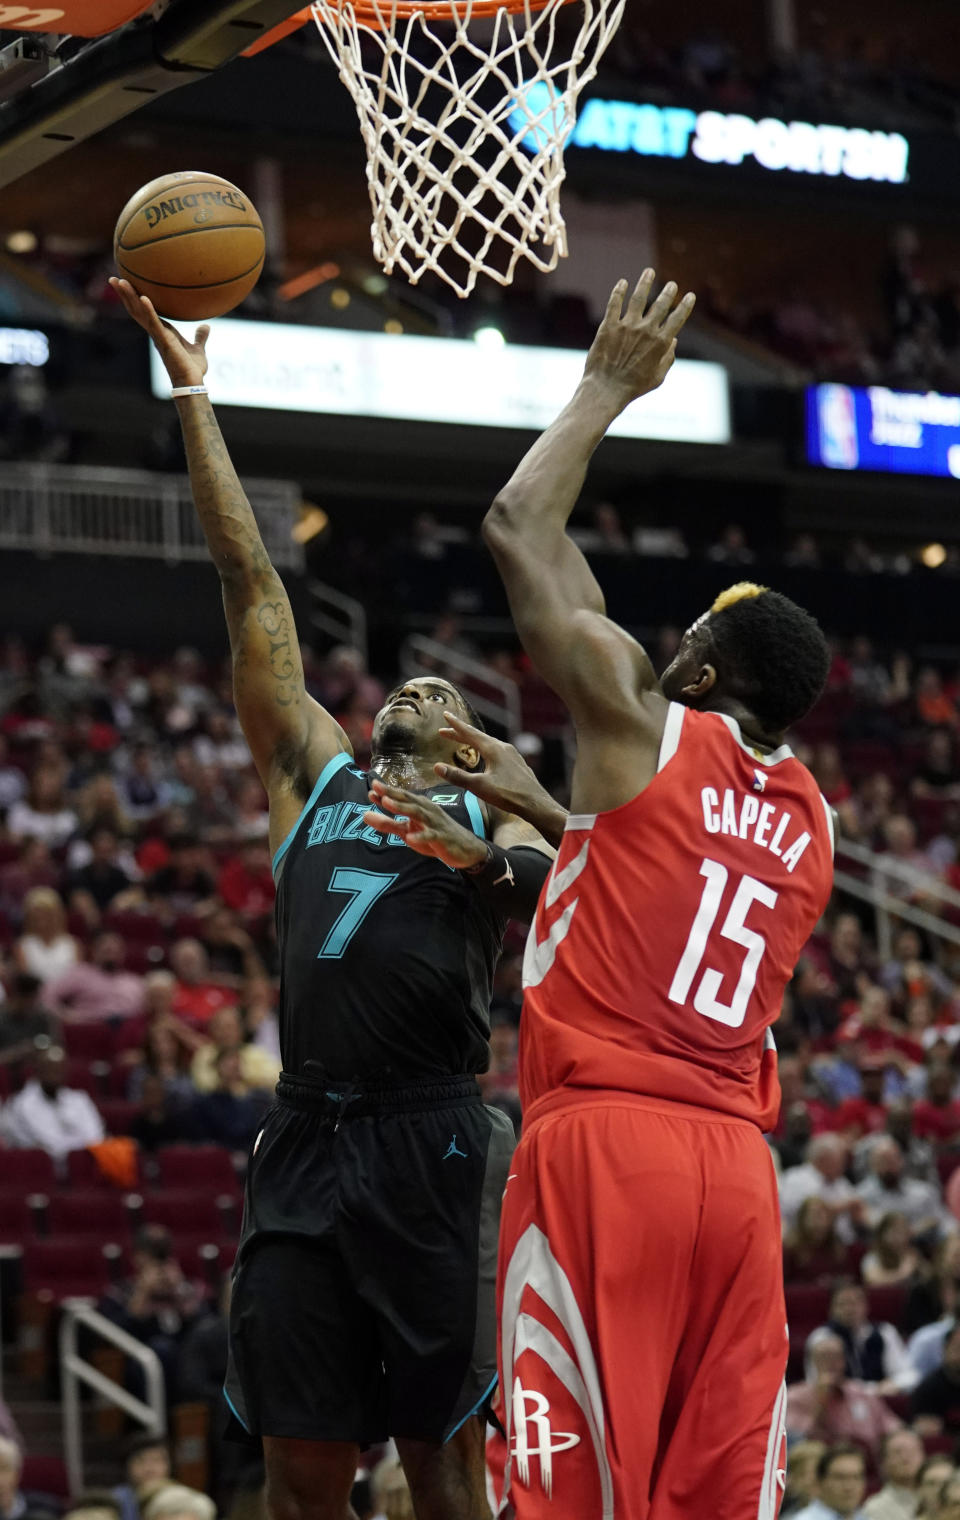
454,1150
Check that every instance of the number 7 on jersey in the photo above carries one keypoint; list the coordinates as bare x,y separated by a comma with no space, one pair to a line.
705,1001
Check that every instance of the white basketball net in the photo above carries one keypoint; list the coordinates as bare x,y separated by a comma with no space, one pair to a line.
464,123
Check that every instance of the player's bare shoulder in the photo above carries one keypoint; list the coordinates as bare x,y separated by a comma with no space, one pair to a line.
298,764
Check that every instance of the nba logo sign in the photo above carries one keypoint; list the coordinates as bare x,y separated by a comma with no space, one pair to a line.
837,417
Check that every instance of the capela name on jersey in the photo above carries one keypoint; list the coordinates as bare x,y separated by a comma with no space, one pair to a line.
746,817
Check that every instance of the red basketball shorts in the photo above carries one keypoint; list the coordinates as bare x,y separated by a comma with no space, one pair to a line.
643,1331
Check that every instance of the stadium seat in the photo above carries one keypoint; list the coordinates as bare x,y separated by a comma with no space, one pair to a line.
88,1042
191,1211
68,1266
146,955
197,1166
90,1076
133,926
89,1211
807,1306
117,1114
31,1170
45,1475
887,1303
16,1217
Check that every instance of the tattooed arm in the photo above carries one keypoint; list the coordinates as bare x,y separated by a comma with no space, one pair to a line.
290,735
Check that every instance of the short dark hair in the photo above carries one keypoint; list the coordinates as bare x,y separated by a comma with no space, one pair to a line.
834,1453
144,1442
769,653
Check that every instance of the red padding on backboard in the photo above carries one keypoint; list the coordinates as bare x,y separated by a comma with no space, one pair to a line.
78,18
279,32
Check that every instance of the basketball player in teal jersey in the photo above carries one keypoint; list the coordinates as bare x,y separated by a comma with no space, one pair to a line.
363,1301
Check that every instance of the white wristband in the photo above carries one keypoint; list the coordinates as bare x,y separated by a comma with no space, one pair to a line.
188,390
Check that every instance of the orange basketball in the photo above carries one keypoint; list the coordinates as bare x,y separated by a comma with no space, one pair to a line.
191,242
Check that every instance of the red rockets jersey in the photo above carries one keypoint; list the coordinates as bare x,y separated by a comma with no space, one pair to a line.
669,927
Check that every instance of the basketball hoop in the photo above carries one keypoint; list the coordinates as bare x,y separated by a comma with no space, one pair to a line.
465,124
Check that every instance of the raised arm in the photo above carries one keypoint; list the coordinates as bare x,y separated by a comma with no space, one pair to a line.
291,737
557,605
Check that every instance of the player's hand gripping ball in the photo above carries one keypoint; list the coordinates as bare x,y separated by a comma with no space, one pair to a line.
193,243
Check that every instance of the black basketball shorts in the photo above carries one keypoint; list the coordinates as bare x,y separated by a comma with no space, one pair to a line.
364,1290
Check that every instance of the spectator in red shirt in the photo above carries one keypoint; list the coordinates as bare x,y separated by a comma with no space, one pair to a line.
196,998
867,1114
871,1023
937,1116
246,881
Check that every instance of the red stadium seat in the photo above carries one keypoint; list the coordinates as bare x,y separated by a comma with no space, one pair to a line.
31,1170
16,1217
146,955
90,1076
68,1266
117,1114
807,1306
887,1303
89,1211
88,1042
133,926
192,1211
196,1166
45,1475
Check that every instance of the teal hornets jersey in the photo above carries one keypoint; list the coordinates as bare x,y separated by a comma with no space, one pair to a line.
387,957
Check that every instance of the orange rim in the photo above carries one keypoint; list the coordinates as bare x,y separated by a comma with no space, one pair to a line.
440,10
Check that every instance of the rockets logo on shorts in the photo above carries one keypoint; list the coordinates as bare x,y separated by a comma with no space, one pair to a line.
545,1442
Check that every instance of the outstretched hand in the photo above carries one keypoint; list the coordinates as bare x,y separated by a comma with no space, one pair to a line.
426,827
506,781
185,362
635,347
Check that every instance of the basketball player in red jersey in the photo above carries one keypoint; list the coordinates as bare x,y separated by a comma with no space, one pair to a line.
643,1339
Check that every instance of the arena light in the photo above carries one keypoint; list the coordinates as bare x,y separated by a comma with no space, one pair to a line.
288,367
22,241
933,556
24,345
489,337
873,428
720,137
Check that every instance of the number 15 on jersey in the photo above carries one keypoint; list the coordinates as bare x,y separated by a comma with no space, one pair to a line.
705,999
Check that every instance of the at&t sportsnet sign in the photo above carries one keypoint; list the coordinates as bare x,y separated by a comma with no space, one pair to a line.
873,428
718,137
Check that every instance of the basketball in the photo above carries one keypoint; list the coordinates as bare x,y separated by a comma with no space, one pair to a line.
192,242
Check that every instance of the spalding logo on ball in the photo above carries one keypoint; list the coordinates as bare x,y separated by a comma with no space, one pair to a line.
191,242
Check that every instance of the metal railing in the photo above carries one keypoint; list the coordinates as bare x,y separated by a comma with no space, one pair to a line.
76,509
74,1370
341,616
879,889
420,652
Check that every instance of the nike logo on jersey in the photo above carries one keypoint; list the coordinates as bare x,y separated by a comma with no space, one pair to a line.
763,824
